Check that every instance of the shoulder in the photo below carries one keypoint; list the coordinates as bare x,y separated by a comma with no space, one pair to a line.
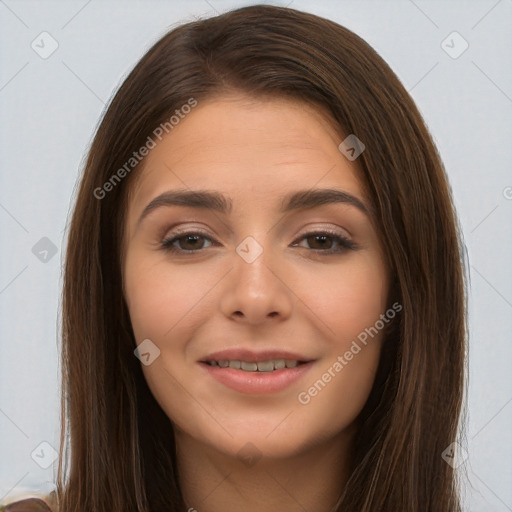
26,505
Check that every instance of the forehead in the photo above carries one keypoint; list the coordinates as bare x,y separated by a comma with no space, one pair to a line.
237,143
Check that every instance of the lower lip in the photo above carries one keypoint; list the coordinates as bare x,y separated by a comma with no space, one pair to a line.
257,382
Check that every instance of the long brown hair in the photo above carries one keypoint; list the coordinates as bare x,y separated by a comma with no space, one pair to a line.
122,451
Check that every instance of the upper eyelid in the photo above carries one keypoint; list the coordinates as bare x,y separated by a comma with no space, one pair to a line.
168,232
344,243
320,230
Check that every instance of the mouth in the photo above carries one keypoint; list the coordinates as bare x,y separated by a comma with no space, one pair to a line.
256,373
270,365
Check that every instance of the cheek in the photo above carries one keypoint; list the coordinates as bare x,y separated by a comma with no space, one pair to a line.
348,299
337,391
159,295
350,302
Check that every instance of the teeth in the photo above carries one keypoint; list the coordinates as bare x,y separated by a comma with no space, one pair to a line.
279,363
248,367
262,366
265,366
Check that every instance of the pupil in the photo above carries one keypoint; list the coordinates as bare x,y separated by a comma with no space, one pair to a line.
321,238
194,238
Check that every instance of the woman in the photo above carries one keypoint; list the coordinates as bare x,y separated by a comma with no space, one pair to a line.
264,300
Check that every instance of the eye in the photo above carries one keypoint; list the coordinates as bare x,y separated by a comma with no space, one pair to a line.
324,242
191,241
327,242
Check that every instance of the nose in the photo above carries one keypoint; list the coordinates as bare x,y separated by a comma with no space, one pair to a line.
256,291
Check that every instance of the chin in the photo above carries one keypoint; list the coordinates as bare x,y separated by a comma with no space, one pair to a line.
254,440
248,447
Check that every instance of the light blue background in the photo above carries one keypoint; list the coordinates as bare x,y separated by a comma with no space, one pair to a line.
50,107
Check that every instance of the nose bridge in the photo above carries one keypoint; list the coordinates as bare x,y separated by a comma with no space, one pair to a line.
252,266
255,291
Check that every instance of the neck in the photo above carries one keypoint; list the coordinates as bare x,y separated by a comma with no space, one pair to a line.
212,481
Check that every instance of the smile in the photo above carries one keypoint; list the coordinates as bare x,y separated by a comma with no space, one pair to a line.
262,366
262,377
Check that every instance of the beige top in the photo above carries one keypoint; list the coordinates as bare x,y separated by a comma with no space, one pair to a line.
26,505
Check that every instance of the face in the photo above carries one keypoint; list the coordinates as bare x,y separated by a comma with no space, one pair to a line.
255,277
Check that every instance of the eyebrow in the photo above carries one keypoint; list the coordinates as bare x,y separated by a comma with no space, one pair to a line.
213,200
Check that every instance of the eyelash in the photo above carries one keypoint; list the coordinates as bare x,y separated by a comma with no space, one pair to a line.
344,243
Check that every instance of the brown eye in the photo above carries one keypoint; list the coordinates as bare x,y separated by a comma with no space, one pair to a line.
321,241
186,242
327,242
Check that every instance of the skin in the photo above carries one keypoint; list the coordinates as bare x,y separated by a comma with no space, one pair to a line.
291,297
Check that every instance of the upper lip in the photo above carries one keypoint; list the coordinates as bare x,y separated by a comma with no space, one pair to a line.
240,354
